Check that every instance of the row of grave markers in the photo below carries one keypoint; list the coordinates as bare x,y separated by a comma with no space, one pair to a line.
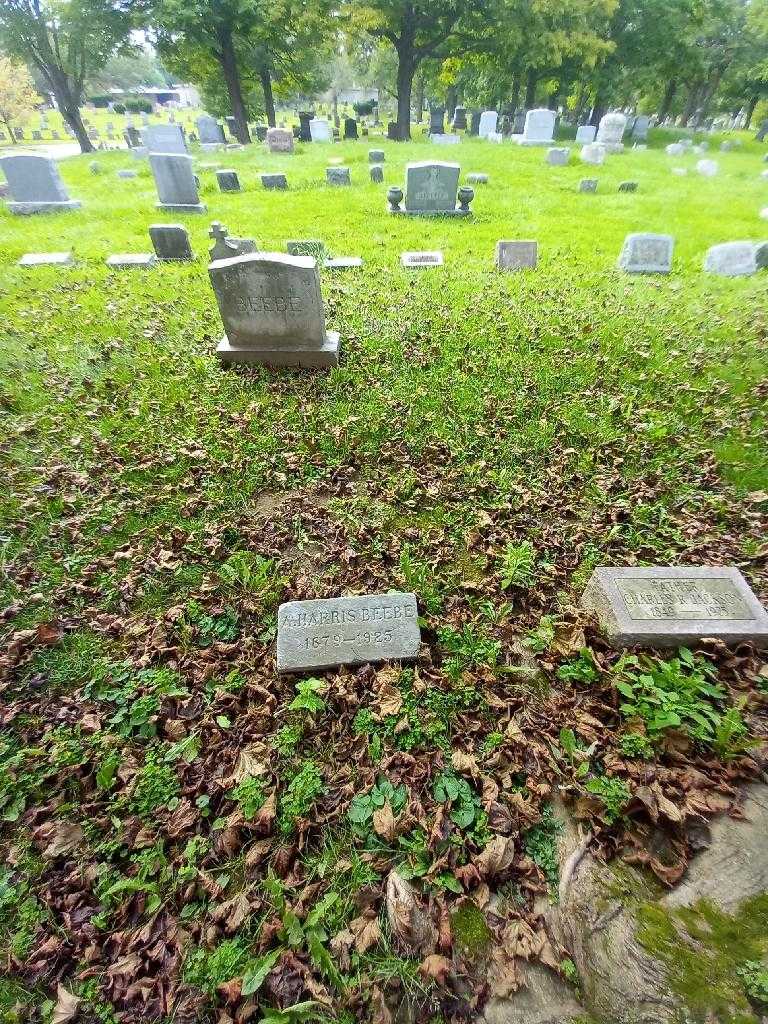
656,606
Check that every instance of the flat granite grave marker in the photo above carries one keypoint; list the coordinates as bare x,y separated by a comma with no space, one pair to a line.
517,255
305,247
445,140
477,178
647,253
421,259
708,168
274,181
675,606
272,311
35,185
126,173
627,186
175,182
343,263
131,260
347,631
376,156
170,242
46,259
588,185
731,259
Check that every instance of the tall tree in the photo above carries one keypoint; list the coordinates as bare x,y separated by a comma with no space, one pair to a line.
66,41
417,30
17,93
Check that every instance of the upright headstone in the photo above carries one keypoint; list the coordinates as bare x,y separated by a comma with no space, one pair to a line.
35,184
376,156
487,124
539,128
474,122
305,134
460,119
337,176
393,133
585,134
165,138
675,606
279,140
261,132
674,149
436,120
431,188
274,181
175,182
320,130
594,154
228,180
377,173
170,242
226,246
231,125
132,137
272,311
558,156
611,132
708,168
646,253
640,128
315,635
350,128
209,130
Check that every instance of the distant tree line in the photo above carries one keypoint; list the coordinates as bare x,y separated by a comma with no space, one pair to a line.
686,59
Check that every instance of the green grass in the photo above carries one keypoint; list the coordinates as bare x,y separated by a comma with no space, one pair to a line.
487,440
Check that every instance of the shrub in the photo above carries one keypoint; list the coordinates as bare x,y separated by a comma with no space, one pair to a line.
119,108
138,106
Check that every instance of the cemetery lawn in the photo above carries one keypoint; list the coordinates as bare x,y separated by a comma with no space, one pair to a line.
187,836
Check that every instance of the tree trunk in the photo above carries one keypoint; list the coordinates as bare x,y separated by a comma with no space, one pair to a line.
690,106
514,100
531,79
750,111
450,102
419,112
708,97
228,61
666,103
269,100
9,127
406,69
598,107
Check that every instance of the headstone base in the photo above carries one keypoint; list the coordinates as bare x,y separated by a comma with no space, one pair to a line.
182,207
24,209
127,260
458,212
326,356
45,259
520,140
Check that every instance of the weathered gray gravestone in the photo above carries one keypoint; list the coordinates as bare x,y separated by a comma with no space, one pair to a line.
517,255
272,311
225,246
539,128
320,130
350,128
347,631
164,138
209,130
419,260
585,134
305,247
731,259
170,241
43,259
35,185
337,176
279,140
588,185
611,131
487,123
377,173
376,156
674,606
131,260
628,186
126,173
175,182
436,120
274,181
593,154
477,178
460,119
646,253
228,180
558,156
640,128
431,189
